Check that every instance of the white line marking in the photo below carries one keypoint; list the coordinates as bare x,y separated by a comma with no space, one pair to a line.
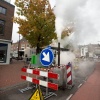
80,85
69,97
84,81
86,78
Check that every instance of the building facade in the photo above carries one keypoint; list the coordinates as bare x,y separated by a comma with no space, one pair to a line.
22,47
90,51
6,25
23,44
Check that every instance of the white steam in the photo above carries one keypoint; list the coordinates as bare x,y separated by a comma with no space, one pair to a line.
84,14
65,58
84,68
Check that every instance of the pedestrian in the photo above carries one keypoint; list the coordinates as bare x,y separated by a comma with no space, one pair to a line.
11,58
22,57
26,59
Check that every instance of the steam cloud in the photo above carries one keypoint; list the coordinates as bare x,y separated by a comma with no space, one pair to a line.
84,14
65,58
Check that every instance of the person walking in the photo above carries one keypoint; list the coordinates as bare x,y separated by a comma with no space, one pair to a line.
26,59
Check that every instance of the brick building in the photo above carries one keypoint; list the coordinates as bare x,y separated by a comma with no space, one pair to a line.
23,44
6,25
23,47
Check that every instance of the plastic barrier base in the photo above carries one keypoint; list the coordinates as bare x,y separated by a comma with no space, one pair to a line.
49,95
70,86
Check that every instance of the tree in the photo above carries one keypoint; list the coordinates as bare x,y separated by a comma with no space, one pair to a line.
38,22
66,32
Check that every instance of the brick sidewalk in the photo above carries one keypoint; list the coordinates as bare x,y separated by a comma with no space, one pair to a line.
91,89
10,74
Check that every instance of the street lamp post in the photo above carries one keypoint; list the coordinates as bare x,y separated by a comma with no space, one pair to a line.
18,46
58,53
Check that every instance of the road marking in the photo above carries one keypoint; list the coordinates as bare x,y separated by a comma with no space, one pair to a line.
69,97
25,89
86,78
80,85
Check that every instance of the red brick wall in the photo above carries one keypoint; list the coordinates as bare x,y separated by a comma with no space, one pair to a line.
8,20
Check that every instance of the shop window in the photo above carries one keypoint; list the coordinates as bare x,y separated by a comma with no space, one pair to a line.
2,27
3,52
2,10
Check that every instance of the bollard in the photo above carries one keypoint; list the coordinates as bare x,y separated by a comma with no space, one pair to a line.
69,75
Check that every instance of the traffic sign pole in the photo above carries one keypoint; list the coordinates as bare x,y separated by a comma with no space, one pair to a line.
46,59
58,53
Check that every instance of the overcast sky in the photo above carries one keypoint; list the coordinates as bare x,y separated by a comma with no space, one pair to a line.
15,35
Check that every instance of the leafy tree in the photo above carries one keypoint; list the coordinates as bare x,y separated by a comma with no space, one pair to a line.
36,22
66,32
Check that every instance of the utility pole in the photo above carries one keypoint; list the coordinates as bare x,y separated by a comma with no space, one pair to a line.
18,46
58,53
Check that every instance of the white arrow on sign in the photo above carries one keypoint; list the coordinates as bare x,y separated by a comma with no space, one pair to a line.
46,57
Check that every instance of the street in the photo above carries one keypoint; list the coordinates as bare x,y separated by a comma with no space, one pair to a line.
13,93
49,50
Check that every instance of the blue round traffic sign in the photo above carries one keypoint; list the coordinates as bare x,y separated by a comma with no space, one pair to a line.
46,57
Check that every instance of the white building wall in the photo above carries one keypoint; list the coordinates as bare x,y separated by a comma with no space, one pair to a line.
8,53
84,50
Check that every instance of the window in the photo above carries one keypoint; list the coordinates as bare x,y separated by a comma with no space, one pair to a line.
3,10
1,26
3,52
28,45
23,45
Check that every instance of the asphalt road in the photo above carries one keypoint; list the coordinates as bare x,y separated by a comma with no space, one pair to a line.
14,93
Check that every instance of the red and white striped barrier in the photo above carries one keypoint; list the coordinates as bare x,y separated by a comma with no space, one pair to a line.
41,82
41,73
69,74
49,69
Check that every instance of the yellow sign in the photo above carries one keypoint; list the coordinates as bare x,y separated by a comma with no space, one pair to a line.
37,95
